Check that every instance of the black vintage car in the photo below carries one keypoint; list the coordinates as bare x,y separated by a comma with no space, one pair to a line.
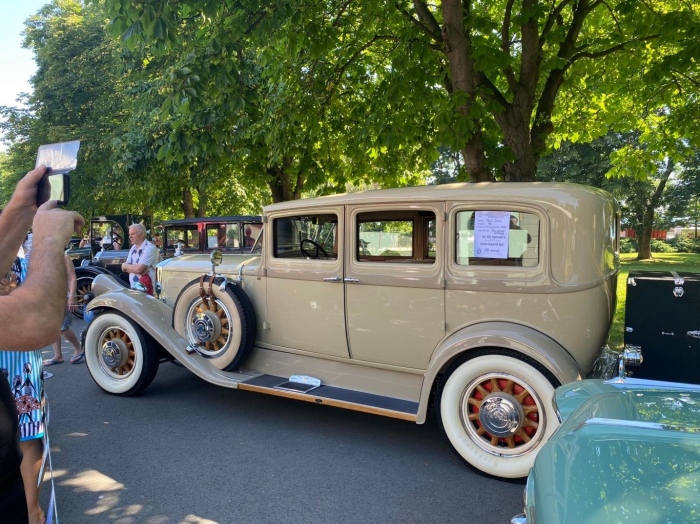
229,234
103,250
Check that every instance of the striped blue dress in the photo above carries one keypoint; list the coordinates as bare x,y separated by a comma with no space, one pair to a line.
23,370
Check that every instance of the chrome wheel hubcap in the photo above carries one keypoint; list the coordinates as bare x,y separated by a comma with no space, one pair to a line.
114,353
501,415
206,326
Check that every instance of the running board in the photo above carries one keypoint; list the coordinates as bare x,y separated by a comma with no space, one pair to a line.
336,397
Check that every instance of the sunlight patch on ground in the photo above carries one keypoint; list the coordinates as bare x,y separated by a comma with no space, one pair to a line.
91,480
192,519
57,473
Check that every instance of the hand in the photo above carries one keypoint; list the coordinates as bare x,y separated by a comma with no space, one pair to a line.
53,224
25,192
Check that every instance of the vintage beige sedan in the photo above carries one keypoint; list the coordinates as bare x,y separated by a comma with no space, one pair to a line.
481,298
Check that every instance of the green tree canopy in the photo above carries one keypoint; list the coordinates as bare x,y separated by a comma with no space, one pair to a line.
499,81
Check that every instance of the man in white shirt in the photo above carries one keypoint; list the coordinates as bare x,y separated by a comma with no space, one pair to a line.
143,256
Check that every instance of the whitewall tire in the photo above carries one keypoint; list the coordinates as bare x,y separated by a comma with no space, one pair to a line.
120,357
495,408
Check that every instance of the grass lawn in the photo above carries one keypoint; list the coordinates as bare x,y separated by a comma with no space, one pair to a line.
661,262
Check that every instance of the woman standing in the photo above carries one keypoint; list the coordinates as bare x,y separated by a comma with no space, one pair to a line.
24,371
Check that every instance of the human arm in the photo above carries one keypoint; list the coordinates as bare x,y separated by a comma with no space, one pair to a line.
148,258
32,313
16,217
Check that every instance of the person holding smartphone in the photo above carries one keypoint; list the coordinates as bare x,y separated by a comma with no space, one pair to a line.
32,314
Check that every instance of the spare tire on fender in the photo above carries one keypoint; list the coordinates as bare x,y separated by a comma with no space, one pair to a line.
223,328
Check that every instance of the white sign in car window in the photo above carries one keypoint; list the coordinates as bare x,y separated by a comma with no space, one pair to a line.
491,234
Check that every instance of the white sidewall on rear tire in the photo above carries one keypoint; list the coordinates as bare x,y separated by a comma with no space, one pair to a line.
92,353
450,409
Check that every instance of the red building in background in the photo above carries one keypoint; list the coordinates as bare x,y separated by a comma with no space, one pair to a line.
631,233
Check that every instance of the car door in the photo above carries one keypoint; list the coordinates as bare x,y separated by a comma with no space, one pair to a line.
305,298
394,282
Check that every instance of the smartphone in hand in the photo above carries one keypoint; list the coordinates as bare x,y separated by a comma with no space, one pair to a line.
59,159
53,187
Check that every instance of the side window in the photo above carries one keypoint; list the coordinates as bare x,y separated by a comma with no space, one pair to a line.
396,236
306,236
223,236
250,234
497,238
187,235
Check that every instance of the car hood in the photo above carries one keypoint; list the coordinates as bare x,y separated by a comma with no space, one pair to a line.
202,263
626,455
568,398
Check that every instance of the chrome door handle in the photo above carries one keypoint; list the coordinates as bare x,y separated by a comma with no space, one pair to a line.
694,334
667,334
333,279
348,279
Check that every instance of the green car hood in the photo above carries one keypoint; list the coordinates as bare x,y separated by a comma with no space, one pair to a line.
568,398
625,455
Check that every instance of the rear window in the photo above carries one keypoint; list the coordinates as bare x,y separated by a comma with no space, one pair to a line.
497,238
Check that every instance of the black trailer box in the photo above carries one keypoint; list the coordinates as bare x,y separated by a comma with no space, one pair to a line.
662,316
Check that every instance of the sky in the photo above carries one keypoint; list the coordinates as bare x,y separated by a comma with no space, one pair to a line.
16,64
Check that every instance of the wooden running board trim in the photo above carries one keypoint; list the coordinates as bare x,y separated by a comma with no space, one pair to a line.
326,401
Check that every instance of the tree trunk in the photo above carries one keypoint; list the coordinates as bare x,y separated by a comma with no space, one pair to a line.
644,241
516,106
285,185
516,127
187,203
463,78
203,201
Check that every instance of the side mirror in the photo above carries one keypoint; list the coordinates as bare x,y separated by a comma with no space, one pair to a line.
216,258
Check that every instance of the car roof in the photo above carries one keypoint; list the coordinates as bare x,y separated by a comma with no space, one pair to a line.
553,192
210,220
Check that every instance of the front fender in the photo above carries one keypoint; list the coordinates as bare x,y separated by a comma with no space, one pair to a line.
156,319
504,335
148,312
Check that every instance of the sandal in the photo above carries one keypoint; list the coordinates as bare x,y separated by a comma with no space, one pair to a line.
77,358
52,362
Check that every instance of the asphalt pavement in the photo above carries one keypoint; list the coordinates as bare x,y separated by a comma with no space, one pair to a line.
186,451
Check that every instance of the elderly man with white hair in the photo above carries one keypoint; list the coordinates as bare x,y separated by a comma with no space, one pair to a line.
143,256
